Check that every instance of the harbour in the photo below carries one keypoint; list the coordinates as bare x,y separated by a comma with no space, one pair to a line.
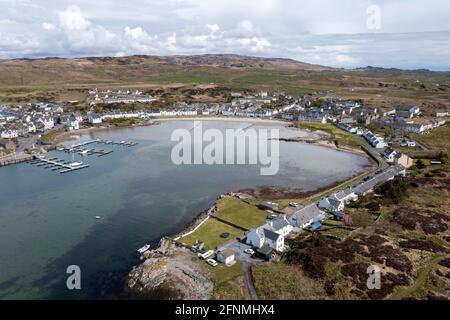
140,196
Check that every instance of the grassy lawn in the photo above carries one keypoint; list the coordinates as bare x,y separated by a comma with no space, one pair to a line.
438,139
50,137
240,213
228,282
210,233
279,281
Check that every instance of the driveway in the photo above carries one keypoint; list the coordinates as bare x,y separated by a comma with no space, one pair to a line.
238,249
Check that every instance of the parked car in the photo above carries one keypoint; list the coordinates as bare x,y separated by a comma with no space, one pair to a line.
212,262
249,251
271,217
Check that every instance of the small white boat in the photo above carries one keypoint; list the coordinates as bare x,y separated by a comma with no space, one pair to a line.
84,152
75,164
143,249
98,217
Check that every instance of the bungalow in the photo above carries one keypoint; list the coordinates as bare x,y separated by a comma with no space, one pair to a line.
369,185
304,217
226,257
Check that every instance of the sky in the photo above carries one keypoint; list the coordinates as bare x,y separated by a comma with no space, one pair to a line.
407,34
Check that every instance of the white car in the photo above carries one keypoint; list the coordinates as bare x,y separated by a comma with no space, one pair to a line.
212,262
249,251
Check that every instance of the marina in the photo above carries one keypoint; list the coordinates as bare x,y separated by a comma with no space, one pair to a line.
56,164
105,141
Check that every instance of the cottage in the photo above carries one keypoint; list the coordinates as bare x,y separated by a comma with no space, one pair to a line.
281,226
274,240
304,217
338,200
389,155
95,119
226,257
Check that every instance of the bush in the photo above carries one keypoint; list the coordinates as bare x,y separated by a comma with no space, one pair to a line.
394,190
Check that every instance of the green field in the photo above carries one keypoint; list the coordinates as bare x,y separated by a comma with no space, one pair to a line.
210,232
240,213
279,281
437,140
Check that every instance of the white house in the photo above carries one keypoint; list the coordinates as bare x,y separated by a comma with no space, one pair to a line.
389,155
95,119
226,257
280,225
256,238
338,200
73,123
304,217
9,134
274,240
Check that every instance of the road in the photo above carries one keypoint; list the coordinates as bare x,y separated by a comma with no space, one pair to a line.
250,291
28,143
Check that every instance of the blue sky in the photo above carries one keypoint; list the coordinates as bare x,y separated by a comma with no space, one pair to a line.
406,34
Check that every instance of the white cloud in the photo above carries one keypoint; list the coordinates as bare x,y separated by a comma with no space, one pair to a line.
331,32
71,19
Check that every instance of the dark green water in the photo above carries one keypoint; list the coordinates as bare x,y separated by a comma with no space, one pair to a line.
47,220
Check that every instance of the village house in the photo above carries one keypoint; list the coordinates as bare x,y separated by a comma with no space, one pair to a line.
337,201
226,257
403,160
73,123
389,154
376,141
95,119
305,217
406,111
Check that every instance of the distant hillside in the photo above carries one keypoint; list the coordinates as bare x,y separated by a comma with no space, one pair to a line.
237,61
106,69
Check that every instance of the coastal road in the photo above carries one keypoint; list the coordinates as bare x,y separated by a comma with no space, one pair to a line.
250,291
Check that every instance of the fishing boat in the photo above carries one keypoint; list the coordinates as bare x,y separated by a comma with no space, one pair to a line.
143,249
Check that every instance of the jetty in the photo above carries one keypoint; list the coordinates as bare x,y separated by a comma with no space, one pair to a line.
55,164
86,151
104,141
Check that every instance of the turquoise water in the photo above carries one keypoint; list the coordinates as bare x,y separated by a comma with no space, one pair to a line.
47,220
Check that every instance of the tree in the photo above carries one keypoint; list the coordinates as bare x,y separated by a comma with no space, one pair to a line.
394,190
420,164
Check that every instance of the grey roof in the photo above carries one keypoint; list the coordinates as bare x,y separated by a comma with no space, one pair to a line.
342,194
271,235
378,179
305,214
279,223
